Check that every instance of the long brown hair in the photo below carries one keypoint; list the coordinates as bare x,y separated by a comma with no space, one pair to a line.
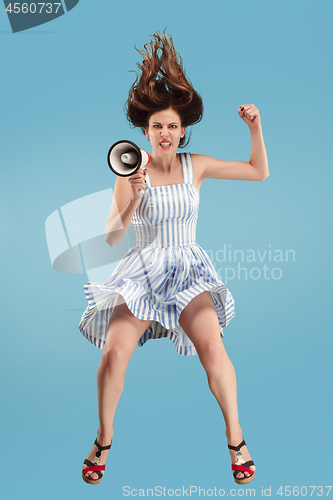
161,84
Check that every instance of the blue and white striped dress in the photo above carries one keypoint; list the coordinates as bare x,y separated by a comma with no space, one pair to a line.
166,269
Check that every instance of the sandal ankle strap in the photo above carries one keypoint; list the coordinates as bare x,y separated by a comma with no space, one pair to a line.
237,448
101,448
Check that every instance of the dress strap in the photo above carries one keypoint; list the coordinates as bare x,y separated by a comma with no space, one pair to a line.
186,161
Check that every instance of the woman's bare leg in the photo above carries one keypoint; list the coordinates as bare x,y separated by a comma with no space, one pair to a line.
200,322
124,331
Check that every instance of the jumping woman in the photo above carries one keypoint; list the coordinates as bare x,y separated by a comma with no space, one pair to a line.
166,285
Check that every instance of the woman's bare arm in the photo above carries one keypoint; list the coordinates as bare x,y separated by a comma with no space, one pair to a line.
122,210
256,169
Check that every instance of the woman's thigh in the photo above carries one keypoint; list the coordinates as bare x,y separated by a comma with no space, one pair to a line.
124,330
200,322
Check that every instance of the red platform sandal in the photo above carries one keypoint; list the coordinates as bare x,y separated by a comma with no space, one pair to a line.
241,465
95,465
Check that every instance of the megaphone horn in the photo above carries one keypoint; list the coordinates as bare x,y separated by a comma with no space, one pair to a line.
125,158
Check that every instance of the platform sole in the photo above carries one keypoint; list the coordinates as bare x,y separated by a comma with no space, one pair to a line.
91,481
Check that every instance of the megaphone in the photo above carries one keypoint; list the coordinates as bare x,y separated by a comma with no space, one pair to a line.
125,158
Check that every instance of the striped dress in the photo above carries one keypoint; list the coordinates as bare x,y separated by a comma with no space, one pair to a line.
163,272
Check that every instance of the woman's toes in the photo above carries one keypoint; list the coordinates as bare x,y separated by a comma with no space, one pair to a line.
91,475
87,474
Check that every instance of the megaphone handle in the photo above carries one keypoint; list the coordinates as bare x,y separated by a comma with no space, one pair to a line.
141,191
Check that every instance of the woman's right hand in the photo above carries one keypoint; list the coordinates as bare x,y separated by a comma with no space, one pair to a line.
137,181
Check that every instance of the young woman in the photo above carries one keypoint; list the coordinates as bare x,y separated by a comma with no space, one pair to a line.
166,285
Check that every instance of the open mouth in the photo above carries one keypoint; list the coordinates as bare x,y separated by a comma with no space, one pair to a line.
165,144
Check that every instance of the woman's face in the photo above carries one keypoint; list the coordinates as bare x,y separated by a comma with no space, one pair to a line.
165,131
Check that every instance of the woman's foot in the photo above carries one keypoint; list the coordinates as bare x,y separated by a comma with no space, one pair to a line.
245,457
102,459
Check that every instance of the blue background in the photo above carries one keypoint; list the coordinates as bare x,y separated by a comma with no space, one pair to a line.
63,88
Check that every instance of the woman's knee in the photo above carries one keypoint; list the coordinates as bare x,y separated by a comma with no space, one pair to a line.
116,356
211,353
123,334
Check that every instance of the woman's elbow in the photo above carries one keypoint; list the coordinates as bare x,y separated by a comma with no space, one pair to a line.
112,238
264,176
108,237
108,240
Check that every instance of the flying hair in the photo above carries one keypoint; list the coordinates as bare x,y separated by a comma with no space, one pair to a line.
161,84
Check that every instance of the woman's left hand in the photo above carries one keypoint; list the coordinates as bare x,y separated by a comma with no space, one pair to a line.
250,115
